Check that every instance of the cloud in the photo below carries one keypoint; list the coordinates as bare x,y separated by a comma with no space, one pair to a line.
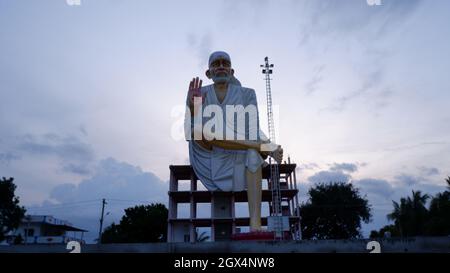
380,194
237,14
74,155
349,167
80,169
378,187
405,183
407,180
351,18
313,84
83,130
308,166
337,172
426,171
53,144
64,193
114,179
371,81
329,176
121,184
417,145
356,31
7,157
371,90
380,98
363,164
202,47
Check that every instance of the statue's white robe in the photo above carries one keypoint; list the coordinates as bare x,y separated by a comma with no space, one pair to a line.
219,169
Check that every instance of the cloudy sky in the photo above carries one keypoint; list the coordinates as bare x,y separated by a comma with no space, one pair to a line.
91,95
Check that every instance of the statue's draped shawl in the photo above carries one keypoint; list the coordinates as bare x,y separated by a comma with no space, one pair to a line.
219,169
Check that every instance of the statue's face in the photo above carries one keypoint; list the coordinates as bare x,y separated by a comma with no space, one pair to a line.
220,71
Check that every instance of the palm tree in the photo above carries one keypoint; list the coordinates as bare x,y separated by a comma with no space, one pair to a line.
410,215
439,212
420,212
200,237
439,220
398,215
418,201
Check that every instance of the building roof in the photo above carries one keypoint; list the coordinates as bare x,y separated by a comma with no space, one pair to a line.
50,220
69,228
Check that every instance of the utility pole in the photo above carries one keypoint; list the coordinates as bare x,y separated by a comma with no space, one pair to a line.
101,221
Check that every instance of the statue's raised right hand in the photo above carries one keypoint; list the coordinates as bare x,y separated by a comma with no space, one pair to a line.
195,90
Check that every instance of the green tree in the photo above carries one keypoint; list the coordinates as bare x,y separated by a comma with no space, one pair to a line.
383,232
334,211
374,234
439,214
410,215
412,218
140,224
112,234
10,212
18,240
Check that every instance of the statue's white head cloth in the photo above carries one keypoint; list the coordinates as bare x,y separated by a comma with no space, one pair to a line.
222,55
218,55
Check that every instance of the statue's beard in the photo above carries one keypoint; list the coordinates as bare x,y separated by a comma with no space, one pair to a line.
221,77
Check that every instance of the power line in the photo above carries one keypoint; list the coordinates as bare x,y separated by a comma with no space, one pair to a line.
63,204
131,201
83,203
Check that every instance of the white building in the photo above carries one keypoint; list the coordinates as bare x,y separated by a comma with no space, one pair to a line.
46,229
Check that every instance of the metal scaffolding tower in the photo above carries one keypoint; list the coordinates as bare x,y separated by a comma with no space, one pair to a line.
276,210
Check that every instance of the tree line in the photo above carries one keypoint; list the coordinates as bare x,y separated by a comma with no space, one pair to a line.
334,210
412,216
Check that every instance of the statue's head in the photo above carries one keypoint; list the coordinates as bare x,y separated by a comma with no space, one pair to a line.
219,67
